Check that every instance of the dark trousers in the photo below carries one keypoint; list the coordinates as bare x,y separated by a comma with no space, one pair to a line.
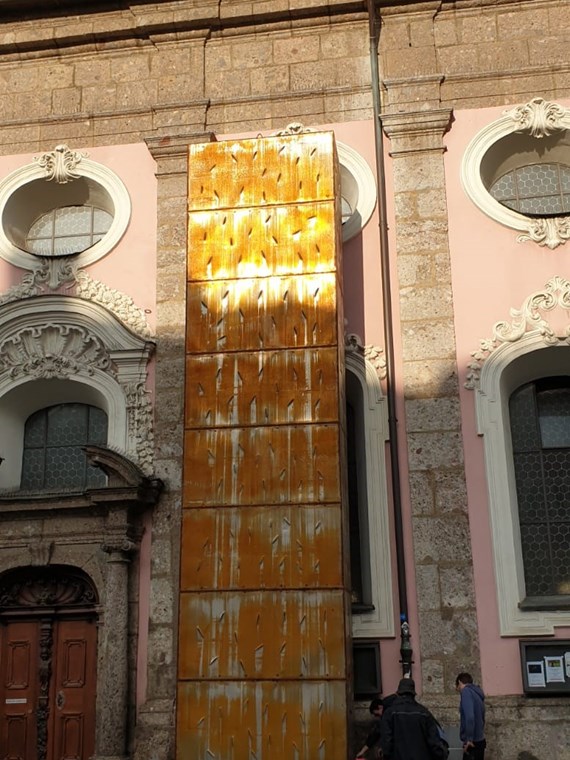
477,752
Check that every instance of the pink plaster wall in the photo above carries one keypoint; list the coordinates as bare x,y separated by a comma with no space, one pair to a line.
131,269
491,273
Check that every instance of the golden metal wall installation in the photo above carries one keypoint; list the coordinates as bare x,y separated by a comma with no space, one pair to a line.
263,606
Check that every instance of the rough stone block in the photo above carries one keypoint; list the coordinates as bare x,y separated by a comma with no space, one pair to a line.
430,377
251,54
161,600
421,492
432,450
416,270
427,583
529,23
67,100
269,79
296,48
457,587
428,340
433,677
481,27
425,303
450,491
458,59
446,637
439,539
433,414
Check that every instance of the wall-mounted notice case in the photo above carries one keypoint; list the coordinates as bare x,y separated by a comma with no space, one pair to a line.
546,667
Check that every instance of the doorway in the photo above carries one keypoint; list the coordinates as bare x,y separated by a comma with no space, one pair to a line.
48,656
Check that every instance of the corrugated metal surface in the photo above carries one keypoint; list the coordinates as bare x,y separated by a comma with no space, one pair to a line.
262,655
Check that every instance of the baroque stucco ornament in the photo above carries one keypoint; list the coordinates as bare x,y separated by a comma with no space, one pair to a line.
538,119
54,273
60,164
527,319
52,350
372,354
65,337
294,128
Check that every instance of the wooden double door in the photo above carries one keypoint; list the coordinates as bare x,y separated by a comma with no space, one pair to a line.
47,686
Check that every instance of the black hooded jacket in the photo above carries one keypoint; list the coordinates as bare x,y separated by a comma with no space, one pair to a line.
409,732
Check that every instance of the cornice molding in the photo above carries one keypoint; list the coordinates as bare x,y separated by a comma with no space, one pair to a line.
417,131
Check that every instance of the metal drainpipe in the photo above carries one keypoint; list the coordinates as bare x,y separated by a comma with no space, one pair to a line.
405,646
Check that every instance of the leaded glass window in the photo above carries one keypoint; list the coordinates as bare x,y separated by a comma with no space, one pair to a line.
67,230
535,189
53,456
540,430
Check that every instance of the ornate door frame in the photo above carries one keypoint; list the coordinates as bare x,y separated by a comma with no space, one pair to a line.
98,533
42,597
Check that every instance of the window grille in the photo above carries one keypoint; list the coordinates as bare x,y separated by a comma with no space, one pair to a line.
540,432
535,189
53,457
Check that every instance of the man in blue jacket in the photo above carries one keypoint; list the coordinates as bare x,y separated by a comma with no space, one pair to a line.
472,712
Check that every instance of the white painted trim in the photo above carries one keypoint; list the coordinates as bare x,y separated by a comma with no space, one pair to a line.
500,375
537,119
358,186
379,622
111,373
92,170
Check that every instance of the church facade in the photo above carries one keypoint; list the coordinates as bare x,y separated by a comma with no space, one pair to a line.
284,373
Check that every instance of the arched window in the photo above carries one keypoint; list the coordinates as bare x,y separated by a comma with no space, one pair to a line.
357,496
53,458
540,431
366,436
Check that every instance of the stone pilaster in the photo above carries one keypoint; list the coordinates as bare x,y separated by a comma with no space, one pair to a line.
112,699
446,600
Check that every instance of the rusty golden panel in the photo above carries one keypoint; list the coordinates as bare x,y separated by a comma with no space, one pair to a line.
262,634
266,313
261,465
266,720
261,547
256,242
262,388
261,171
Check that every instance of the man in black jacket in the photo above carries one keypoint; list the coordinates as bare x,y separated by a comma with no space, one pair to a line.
409,731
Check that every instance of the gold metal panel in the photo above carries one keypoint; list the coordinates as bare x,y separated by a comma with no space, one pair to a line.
261,547
263,614
264,313
262,388
268,719
262,465
261,171
257,242
262,634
